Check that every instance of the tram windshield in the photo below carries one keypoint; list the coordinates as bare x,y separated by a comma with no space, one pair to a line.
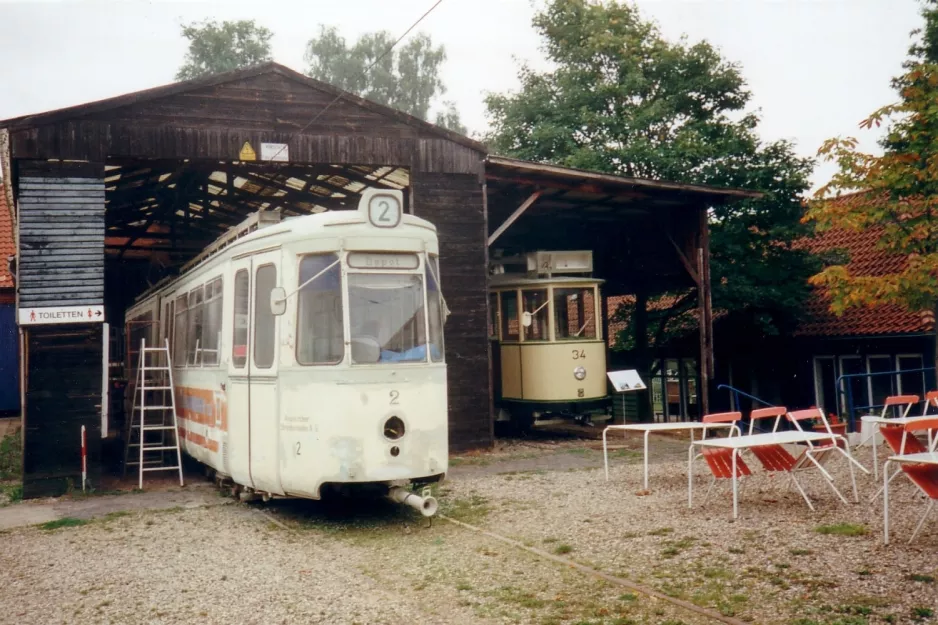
386,318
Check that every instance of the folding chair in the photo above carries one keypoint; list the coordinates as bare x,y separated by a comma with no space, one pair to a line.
903,441
720,461
816,454
893,407
923,474
774,458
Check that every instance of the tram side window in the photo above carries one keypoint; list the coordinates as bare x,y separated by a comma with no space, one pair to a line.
211,326
239,342
265,279
179,332
196,314
435,309
320,336
510,322
534,303
574,316
493,315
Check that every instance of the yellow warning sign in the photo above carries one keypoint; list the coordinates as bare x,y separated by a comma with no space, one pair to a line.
247,152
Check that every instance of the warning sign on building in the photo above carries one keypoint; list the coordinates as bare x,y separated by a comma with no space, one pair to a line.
61,314
247,152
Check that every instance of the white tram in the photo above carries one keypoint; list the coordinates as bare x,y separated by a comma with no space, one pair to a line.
309,352
549,354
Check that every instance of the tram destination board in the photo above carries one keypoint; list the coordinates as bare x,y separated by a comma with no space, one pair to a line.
60,314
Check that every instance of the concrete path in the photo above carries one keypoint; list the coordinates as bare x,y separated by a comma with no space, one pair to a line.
42,511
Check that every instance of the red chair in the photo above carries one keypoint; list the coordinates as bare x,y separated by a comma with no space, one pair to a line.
817,454
921,468
774,458
720,461
901,440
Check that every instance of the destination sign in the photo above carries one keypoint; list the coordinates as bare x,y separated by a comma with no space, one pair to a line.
369,260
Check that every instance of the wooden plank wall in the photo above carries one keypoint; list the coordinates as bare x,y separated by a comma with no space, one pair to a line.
454,203
61,226
63,392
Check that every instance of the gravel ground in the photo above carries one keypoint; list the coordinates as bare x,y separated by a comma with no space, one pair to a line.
373,562
770,566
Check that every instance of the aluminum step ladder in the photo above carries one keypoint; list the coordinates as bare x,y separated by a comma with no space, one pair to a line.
152,432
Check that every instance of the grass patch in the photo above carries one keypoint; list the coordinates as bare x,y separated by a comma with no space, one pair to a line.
737,550
920,613
63,522
516,596
842,529
11,456
562,549
800,552
661,531
919,577
469,461
549,540
629,596
470,510
13,492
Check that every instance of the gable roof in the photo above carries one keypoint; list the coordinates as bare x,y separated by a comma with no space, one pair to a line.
98,106
7,247
865,259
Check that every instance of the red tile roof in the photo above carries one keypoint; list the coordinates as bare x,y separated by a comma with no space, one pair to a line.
865,259
7,247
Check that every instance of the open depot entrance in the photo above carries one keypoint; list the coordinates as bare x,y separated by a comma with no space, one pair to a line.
160,214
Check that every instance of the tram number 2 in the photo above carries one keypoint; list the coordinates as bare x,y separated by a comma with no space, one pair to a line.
395,396
579,354
296,448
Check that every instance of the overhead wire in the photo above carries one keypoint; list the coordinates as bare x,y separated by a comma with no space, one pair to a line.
340,95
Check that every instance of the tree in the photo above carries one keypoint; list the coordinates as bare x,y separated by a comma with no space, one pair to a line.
215,48
896,192
407,78
622,99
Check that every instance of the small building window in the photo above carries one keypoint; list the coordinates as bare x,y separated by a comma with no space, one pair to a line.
265,279
535,302
211,326
574,313
239,341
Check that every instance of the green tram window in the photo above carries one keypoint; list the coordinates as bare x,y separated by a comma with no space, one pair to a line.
574,313
510,323
535,302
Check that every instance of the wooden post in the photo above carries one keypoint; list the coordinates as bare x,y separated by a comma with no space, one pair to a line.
705,312
641,350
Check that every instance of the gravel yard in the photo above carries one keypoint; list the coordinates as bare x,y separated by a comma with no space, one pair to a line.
295,561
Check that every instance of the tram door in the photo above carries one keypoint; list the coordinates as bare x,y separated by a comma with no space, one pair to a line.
253,416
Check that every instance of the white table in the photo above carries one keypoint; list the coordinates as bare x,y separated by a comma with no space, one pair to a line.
928,457
737,444
879,420
648,428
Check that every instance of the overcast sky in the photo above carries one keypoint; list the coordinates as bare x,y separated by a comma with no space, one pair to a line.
816,68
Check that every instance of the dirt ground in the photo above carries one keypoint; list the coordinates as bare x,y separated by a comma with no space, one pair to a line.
178,556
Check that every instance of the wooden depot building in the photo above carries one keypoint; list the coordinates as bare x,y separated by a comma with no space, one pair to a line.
112,195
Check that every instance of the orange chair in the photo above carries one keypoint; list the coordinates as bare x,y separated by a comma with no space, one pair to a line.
901,440
921,468
816,454
720,461
774,458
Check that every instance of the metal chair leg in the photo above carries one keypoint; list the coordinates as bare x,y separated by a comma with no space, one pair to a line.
931,504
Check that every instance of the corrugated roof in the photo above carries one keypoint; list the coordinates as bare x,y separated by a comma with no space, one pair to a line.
866,259
7,247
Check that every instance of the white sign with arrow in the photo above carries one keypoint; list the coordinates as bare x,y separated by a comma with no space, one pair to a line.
61,314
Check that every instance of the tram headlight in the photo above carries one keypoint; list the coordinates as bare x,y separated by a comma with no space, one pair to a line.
580,373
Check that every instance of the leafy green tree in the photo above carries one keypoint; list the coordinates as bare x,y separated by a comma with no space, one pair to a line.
221,47
407,78
622,99
896,192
